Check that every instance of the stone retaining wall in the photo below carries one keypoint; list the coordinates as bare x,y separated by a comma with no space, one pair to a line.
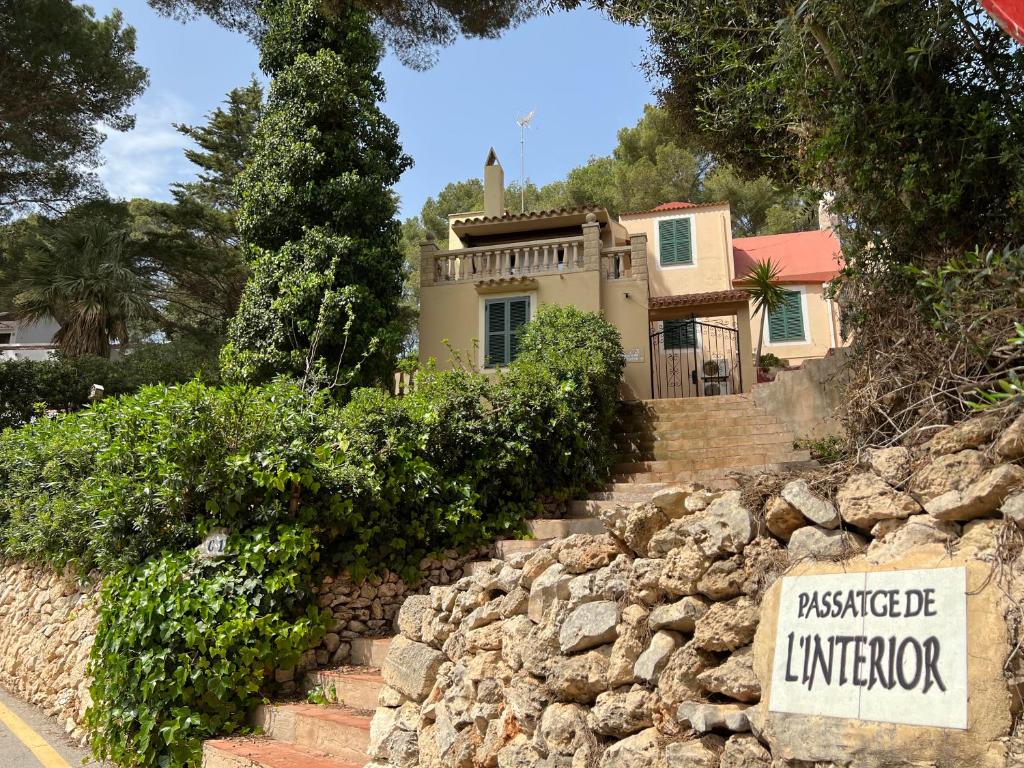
636,648
47,626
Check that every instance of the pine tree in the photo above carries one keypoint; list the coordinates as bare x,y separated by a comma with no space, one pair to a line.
318,211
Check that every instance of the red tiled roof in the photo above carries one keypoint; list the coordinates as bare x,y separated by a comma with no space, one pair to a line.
696,299
802,257
679,205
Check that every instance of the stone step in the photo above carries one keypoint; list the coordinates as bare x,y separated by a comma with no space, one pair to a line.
266,753
712,459
686,440
505,548
475,567
332,731
719,424
355,688
696,454
594,507
369,651
720,478
559,529
690,403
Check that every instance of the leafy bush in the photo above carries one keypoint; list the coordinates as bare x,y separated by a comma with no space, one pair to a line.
63,383
769,360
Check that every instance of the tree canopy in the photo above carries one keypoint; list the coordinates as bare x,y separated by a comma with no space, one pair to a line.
65,74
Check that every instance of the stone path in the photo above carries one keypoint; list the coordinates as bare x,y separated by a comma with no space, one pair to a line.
704,440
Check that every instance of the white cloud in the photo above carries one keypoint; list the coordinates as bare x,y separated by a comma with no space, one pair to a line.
146,160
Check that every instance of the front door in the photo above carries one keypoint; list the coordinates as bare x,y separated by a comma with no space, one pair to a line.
695,358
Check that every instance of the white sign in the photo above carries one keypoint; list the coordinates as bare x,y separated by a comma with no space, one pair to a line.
634,355
215,545
886,646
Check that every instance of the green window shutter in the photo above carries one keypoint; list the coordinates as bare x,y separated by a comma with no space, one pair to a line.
675,242
502,320
787,322
680,334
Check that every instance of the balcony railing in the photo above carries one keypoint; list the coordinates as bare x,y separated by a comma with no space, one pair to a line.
617,262
536,257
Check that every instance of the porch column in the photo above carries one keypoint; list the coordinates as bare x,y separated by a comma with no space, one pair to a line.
428,270
591,243
638,255
748,369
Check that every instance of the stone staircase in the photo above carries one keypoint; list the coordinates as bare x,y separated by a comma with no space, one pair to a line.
706,440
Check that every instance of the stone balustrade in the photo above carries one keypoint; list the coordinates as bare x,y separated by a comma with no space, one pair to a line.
534,257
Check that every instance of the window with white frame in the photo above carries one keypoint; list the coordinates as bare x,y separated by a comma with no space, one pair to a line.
675,242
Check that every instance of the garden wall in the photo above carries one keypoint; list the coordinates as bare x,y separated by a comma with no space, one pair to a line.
655,644
807,398
47,625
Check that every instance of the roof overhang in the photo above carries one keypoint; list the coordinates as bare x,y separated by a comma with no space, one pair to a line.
483,226
709,304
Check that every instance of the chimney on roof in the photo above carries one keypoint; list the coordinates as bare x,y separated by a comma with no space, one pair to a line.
494,186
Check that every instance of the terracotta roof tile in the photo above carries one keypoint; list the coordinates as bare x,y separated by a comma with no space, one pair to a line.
530,215
697,299
802,257
678,205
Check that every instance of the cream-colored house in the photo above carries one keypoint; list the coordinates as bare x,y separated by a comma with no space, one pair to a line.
666,278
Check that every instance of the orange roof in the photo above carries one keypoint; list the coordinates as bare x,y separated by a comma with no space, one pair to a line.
802,257
677,206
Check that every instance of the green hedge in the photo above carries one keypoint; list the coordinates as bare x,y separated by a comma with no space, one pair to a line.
131,484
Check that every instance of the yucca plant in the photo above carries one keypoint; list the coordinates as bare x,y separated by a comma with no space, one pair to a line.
767,295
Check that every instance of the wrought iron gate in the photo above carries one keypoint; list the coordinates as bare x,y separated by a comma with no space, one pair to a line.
690,358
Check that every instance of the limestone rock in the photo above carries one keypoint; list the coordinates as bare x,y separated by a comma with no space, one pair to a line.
552,584
650,663
704,752
539,562
515,603
641,524
582,552
672,500
982,497
411,616
913,532
679,616
1013,508
734,678
700,499
411,667
865,499
679,679
562,728
724,579
590,625
727,626
621,713
631,643
893,465
578,678
883,528
816,509
782,518
1010,445
745,751
764,561
980,539
726,526
641,750
643,581
682,570
519,754
950,472
705,718
818,544
514,635
971,433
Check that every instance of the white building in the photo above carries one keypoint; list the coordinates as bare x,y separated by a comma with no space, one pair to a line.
26,341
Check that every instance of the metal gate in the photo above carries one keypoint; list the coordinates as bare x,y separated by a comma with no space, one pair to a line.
690,358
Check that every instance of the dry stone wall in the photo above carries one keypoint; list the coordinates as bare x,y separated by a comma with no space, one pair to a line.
47,626
636,648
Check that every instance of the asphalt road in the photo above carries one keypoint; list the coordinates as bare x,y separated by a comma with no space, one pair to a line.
23,727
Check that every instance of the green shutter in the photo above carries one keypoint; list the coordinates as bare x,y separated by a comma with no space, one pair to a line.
787,322
680,334
502,320
675,242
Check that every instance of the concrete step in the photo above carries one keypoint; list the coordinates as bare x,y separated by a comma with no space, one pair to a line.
332,731
559,529
369,651
355,688
266,753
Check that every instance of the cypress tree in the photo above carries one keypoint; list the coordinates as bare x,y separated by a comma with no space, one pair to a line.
317,209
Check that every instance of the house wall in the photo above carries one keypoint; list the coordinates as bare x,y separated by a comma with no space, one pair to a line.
624,304
713,265
822,330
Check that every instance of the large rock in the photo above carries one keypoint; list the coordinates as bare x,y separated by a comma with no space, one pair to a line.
950,472
622,713
724,579
672,500
727,626
1010,445
817,544
416,610
1013,508
551,585
679,616
644,581
682,570
578,678
734,678
630,644
563,728
678,681
583,552
641,750
912,533
590,625
650,663
980,498
704,717
893,465
971,433
782,518
816,509
635,525
537,563
411,667
865,499
726,526
515,633
745,751
704,752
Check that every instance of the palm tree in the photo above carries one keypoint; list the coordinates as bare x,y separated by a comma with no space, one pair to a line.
83,274
765,293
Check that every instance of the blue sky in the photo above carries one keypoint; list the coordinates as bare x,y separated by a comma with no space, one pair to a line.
577,70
